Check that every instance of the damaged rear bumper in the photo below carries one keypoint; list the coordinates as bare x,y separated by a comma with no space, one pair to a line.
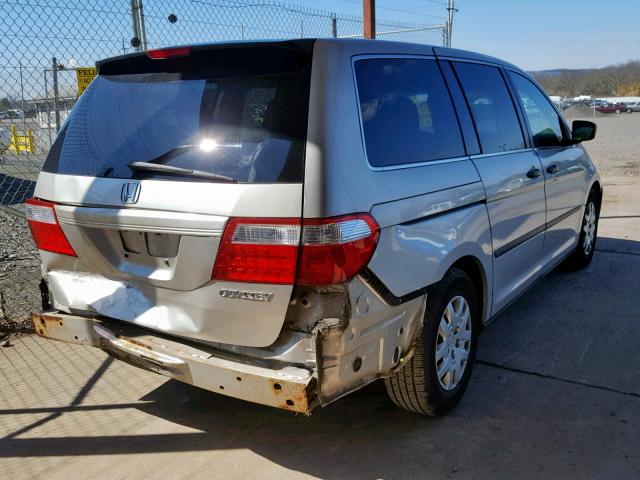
283,386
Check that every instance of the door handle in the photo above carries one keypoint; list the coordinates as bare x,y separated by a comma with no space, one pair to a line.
534,173
553,169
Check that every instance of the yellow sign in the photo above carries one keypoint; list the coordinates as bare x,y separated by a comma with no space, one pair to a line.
84,76
22,143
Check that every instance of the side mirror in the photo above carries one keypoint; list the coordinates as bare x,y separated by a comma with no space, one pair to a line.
583,131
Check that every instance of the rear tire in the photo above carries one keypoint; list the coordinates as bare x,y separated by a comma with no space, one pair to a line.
420,386
583,254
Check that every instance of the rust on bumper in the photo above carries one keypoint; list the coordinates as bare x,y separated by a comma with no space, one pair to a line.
283,386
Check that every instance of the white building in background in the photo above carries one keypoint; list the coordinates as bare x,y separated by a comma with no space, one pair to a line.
46,115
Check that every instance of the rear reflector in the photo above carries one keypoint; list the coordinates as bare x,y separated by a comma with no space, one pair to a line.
164,53
282,251
45,228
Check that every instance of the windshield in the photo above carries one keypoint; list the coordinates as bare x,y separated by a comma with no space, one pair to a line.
249,128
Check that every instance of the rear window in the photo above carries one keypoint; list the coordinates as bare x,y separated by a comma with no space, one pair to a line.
407,114
224,115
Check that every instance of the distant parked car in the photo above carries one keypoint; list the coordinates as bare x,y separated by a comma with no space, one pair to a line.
612,108
594,103
633,107
14,113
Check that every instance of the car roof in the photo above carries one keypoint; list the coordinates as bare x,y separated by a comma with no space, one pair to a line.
363,47
351,47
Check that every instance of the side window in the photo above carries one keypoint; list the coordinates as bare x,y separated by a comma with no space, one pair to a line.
544,122
407,115
491,107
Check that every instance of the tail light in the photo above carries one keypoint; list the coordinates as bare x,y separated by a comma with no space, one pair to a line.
45,228
165,53
286,251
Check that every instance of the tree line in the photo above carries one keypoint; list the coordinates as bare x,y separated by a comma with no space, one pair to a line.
616,80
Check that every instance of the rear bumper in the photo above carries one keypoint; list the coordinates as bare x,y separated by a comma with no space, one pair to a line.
283,386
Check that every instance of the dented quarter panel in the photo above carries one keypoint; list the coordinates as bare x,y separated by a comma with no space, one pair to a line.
418,253
354,351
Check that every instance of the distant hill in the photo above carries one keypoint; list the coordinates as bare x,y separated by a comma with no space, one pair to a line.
615,80
560,71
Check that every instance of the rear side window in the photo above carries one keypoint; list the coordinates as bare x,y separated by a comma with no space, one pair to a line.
544,121
491,107
406,111
222,112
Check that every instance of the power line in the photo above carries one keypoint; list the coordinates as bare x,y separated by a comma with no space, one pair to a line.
412,12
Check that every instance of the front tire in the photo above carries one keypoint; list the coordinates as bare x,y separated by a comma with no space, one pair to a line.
434,379
583,254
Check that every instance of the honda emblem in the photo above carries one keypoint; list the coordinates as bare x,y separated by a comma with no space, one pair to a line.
130,192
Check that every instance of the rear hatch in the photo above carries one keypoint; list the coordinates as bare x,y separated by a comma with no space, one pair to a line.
161,153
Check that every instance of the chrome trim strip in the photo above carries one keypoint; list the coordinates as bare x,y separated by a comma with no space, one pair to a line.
499,154
402,166
142,220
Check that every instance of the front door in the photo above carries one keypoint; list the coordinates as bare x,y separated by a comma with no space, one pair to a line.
563,168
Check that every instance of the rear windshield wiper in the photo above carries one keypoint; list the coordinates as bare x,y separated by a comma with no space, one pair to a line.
161,168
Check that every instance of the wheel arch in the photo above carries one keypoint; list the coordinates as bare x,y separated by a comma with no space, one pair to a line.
473,267
596,189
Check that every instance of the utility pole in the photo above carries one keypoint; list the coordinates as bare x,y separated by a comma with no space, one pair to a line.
369,18
451,9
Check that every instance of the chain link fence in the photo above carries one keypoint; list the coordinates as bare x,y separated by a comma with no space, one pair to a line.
42,44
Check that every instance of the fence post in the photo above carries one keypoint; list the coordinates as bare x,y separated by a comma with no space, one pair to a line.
143,30
334,26
46,94
54,64
24,120
134,24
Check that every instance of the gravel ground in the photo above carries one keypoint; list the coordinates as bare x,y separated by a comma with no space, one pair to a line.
19,273
616,148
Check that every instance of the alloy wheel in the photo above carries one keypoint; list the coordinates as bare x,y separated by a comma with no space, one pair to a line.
453,343
589,228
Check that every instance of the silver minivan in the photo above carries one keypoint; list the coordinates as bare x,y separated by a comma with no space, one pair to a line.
286,222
